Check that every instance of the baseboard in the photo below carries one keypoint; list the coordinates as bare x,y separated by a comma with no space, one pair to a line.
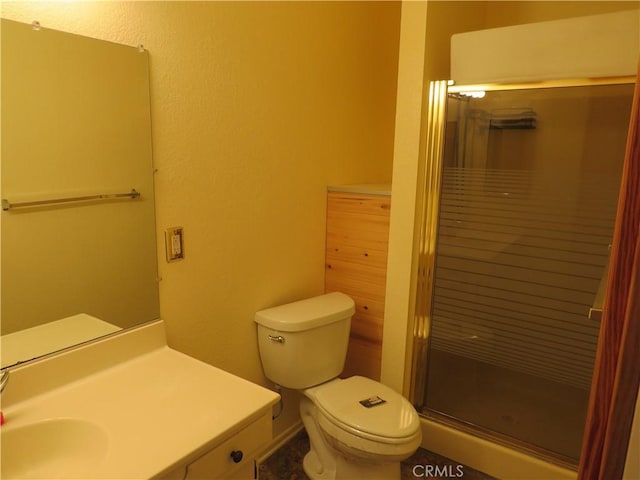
279,441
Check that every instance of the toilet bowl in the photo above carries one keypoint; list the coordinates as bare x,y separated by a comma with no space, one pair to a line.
369,442
357,427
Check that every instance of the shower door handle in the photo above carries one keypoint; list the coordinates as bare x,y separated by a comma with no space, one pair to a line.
595,312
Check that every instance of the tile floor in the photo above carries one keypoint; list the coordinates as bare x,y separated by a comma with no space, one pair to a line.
286,464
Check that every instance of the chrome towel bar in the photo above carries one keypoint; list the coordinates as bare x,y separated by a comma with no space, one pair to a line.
7,205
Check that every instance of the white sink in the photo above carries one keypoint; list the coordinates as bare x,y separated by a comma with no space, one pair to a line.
125,407
61,448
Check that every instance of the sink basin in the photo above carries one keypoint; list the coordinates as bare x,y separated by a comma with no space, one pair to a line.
62,448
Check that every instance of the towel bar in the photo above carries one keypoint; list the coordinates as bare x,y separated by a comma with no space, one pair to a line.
6,205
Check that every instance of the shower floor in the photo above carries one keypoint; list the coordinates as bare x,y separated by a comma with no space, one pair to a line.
539,412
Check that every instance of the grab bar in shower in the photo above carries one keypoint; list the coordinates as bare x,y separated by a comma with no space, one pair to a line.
7,205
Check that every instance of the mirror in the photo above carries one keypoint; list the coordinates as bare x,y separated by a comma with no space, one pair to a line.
78,248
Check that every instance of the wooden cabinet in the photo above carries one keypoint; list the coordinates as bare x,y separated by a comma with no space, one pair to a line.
356,264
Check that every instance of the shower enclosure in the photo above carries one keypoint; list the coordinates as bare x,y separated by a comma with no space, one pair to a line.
521,189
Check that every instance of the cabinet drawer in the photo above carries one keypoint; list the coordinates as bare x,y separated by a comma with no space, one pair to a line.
218,463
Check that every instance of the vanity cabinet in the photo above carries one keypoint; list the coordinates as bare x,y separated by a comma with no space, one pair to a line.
233,458
357,240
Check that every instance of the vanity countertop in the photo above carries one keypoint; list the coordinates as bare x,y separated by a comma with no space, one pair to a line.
159,410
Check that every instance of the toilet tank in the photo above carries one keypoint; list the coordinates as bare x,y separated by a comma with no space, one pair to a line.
304,343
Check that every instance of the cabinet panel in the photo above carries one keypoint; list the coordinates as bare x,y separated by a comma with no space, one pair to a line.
336,280
356,254
219,463
356,264
362,276
362,359
350,237
359,204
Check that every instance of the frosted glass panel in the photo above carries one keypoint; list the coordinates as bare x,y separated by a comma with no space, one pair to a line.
529,194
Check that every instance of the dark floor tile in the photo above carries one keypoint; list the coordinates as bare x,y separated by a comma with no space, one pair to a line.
286,464
428,465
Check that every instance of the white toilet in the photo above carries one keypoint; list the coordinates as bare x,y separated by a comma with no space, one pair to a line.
358,427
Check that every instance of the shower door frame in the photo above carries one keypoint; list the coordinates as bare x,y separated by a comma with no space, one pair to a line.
428,211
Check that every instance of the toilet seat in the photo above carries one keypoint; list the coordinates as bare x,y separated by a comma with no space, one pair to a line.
391,428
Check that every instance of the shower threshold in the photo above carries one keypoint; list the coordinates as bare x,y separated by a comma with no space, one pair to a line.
507,441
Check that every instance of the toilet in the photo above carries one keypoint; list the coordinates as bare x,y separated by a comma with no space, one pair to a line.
358,428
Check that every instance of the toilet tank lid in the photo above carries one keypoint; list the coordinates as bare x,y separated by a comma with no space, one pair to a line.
307,314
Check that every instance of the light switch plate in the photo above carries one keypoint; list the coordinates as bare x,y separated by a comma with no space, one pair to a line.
174,244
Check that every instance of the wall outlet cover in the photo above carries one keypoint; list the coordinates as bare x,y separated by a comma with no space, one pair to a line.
174,244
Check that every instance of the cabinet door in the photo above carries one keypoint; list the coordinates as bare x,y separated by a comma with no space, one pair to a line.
356,264
234,458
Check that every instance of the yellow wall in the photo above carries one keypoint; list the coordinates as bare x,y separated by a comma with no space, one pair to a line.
409,127
256,107
443,20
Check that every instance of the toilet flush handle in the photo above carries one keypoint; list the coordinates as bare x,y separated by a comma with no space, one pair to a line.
276,338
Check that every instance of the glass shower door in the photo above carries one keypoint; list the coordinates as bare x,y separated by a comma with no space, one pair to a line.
528,199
